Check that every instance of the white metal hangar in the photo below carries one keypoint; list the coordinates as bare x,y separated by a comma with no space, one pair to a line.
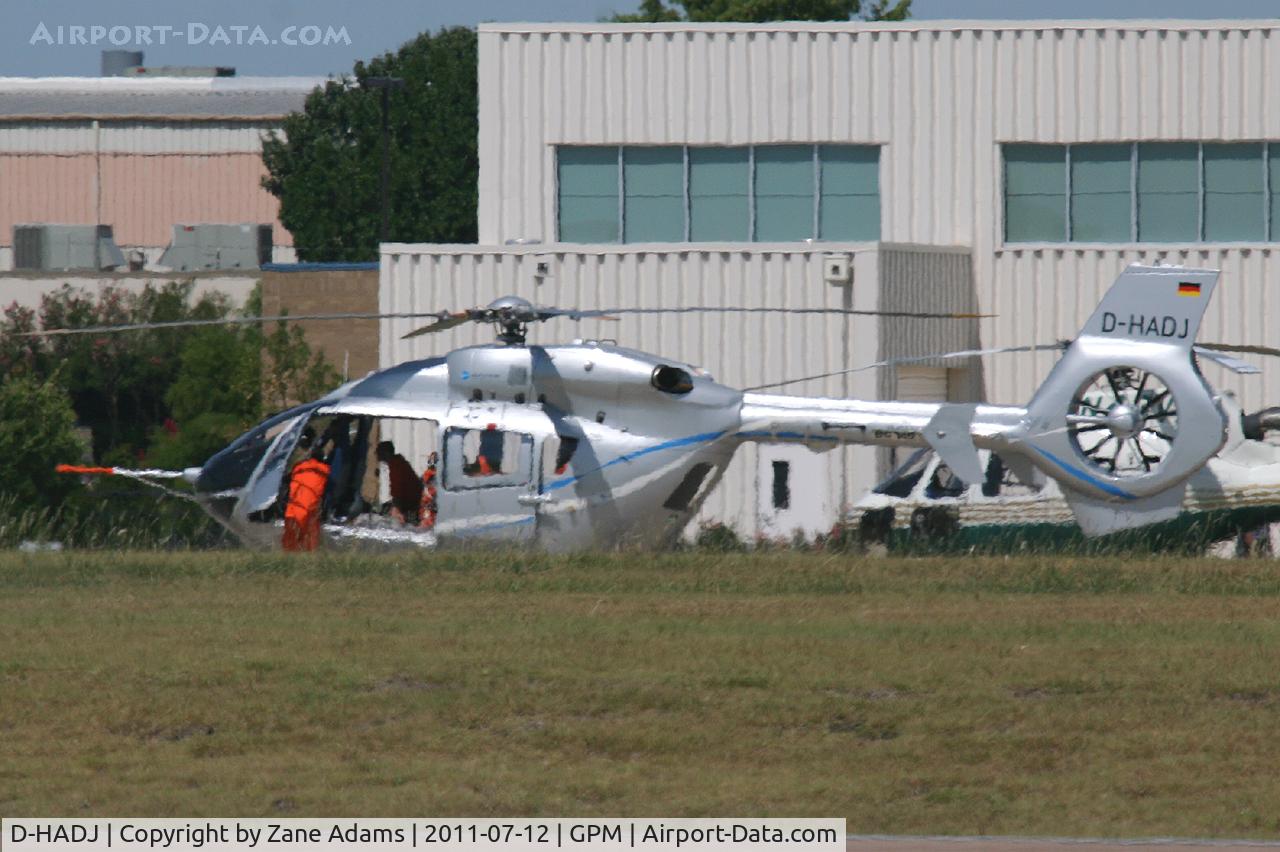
1018,164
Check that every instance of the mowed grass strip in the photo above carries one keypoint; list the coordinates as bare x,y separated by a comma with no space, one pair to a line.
1120,697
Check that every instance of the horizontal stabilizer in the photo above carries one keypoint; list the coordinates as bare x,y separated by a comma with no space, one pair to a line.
1230,362
948,433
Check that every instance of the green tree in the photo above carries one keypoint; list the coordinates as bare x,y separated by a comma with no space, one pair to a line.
37,430
292,373
117,382
325,168
760,11
230,377
175,396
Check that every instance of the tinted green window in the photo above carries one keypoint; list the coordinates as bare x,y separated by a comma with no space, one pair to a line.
849,205
588,182
1101,197
1035,184
1233,193
653,185
1274,170
719,204
784,193
1168,192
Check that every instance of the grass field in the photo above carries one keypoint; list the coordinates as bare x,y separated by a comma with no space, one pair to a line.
977,696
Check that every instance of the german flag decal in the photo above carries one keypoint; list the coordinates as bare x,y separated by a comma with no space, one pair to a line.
1186,288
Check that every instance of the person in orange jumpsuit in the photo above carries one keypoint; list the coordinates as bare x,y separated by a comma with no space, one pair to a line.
427,511
306,497
406,487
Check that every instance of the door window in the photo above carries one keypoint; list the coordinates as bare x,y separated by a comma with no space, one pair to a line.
486,458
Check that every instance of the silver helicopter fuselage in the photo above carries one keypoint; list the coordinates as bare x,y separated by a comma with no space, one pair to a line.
653,436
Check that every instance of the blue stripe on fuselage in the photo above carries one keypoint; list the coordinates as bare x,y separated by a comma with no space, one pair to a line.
626,457
787,436
1084,477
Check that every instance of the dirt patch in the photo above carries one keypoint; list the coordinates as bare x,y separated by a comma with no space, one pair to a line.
1248,696
862,728
185,732
405,683
170,734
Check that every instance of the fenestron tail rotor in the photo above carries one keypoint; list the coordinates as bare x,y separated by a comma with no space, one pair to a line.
1124,421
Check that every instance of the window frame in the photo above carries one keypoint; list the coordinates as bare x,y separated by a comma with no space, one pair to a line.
1270,197
457,479
752,202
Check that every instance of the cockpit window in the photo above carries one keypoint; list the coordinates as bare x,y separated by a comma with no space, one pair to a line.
901,482
230,468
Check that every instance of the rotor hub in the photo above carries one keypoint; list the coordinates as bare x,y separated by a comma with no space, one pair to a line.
511,315
1125,420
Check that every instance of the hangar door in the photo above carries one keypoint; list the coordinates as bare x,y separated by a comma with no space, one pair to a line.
922,384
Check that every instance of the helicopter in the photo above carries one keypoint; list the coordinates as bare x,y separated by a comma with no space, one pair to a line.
593,445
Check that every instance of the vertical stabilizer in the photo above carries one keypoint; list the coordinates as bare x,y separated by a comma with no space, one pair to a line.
1125,417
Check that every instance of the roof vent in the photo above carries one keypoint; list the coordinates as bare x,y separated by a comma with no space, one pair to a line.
116,62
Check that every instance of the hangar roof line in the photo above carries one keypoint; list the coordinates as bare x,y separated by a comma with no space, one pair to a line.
121,98
959,25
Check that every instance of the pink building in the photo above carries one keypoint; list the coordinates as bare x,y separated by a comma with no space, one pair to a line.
140,154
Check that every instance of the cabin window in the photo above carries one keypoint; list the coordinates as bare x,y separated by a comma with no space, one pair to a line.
688,489
944,483
564,454
486,458
901,482
1000,481
558,452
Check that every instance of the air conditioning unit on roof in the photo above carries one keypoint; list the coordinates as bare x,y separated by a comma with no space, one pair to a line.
205,246
65,248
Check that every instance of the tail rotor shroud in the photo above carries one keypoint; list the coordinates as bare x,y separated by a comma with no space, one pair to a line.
1123,421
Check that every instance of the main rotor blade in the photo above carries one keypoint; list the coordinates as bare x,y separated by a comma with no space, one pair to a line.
447,320
1240,347
693,309
145,326
891,362
444,323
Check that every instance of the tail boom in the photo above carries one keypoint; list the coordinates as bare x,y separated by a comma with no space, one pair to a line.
823,422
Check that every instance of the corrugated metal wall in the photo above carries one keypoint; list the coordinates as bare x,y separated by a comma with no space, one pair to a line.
939,100
141,178
740,351
1044,295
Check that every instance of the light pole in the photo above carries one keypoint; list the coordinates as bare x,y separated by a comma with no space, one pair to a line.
386,84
